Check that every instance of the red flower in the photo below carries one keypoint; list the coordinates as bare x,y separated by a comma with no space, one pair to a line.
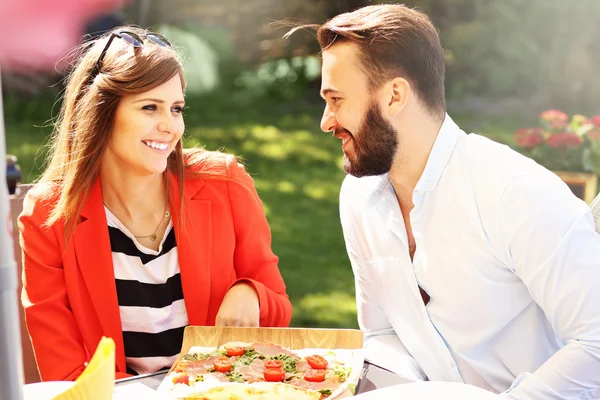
529,137
596,121
567,140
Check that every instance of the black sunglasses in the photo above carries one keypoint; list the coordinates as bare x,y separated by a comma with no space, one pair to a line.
133,39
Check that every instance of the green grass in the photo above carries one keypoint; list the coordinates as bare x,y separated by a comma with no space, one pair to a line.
297,171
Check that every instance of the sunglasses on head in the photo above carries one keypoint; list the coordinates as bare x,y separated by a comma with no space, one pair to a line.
131,38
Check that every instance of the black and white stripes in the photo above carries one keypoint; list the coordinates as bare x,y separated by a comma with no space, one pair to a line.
153,313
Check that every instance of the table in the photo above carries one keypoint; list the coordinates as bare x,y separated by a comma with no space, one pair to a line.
373,377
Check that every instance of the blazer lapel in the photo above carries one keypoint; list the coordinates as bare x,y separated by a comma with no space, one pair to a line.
194,245
94,258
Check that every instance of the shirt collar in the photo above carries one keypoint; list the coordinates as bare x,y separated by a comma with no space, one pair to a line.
440,154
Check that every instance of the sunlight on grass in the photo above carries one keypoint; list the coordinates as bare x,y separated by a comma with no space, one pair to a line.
316,192
302,136
334,309
273,151
250,147
265,133
286,187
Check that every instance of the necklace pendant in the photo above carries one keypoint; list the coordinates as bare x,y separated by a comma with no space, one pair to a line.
153,237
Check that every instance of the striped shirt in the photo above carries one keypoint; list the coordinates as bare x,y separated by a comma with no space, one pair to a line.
153,313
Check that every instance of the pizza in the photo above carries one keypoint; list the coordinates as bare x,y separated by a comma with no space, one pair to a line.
263,371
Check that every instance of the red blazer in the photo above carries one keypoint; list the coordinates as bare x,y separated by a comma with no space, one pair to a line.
69,292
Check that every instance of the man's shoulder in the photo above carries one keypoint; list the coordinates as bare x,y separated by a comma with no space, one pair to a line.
496,162
512,179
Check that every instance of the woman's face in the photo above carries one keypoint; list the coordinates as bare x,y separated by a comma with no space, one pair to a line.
147,128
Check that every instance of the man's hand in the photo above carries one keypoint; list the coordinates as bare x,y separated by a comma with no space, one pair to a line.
240,307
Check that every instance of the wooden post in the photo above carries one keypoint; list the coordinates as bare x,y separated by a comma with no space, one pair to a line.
11,367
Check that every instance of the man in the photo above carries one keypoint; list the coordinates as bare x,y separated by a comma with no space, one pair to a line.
472,263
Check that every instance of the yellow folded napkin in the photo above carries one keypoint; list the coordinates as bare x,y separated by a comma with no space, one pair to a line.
97,382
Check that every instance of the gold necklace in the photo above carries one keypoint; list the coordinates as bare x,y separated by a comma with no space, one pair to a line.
153,236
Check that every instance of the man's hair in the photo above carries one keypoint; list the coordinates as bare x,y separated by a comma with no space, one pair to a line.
394,41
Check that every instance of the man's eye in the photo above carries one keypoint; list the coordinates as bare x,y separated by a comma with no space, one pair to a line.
335,99
150,107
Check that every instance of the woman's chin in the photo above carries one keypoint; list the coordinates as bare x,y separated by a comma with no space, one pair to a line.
155,169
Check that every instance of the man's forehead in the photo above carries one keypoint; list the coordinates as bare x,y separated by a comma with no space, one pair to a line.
340,65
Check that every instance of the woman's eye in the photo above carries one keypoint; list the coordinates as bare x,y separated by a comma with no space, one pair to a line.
178,109
150,107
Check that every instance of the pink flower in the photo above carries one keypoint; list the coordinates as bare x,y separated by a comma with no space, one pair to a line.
555,119
565,140
594,135
596,121
552,115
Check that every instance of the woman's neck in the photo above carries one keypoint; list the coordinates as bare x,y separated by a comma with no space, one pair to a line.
132,196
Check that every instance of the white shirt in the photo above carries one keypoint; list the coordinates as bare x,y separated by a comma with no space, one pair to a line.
509,257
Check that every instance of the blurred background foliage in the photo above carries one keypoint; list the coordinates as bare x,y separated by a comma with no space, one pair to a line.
254,94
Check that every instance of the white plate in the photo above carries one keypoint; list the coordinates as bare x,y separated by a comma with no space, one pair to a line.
429,390
45,390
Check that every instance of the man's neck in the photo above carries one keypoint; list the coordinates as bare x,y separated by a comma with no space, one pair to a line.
415,144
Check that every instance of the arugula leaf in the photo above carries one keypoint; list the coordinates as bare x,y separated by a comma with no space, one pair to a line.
325,392
194,357
342,372
249,356
235,377
289,363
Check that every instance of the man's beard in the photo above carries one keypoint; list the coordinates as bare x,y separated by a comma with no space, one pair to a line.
375,145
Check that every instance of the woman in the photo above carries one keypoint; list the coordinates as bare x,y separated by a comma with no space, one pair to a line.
129,236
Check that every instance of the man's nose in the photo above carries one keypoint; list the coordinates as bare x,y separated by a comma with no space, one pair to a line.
328,121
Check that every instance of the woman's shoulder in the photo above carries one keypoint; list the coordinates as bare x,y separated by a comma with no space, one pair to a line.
204,164
47,193
40,200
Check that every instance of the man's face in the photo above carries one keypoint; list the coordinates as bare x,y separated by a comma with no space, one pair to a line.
369,142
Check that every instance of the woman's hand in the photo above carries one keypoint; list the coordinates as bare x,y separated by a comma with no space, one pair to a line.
240,307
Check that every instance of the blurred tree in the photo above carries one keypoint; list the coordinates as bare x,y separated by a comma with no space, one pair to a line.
522,48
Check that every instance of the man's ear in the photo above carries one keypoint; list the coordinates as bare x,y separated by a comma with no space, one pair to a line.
397,94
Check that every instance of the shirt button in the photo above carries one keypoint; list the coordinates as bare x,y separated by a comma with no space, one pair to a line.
451,365
429,185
